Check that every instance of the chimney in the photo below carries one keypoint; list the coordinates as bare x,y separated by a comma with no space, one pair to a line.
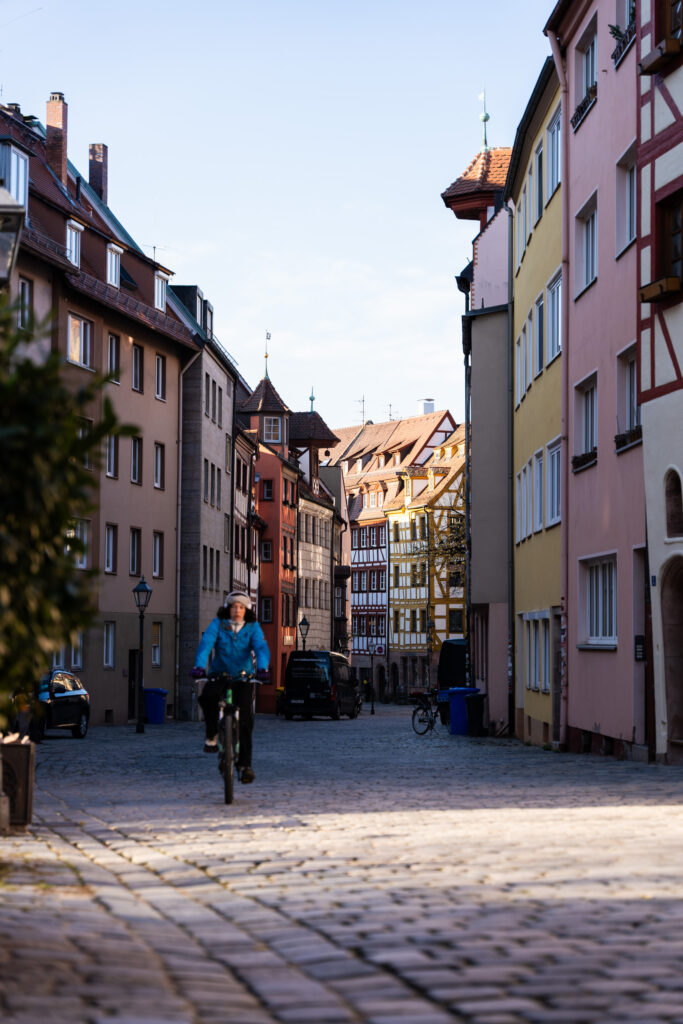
425,405
99,169
57,111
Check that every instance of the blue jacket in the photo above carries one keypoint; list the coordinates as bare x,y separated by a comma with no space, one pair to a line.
233,651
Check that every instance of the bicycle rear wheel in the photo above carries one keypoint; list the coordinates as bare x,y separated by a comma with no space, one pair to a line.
421,720
228,758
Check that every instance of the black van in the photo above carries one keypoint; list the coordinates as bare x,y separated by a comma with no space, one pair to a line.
320,683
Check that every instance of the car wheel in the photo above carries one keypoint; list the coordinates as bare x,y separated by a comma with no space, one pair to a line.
81,727
288,716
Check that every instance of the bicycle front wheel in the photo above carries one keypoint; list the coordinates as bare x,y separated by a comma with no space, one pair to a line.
421,720
228,758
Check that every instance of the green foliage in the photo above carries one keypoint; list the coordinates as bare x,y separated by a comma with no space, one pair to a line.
48,433
449,549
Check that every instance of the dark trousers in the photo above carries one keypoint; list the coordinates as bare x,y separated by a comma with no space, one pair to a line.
242,695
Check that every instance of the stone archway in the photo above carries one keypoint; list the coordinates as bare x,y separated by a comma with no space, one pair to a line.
672,636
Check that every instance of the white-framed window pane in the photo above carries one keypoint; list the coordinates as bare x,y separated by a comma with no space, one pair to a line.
79,332
539,347
589,418
136,460
114,357
272,429
554,318
632,407
110,546
538,492
160,291
137,377
135,551
530,499
554,163
73,242
601,600
109,653
77,652
159,464
554,484
156,643
157,554
25,311
18,176
160,377
545,673
113,265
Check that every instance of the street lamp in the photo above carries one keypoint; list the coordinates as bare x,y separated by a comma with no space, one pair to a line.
142,593
371,652
304,627
11,223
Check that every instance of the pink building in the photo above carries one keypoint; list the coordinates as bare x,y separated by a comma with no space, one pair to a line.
603,501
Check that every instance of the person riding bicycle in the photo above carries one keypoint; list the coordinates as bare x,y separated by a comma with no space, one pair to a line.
237,640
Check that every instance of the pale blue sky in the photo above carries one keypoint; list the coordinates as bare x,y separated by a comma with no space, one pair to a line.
288,157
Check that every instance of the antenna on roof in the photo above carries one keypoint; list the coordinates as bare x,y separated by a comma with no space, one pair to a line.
484,117
267,340
361,402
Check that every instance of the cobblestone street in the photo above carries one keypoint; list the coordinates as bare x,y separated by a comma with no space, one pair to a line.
369,875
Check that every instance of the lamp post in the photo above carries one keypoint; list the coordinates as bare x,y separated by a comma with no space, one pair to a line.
371,652
11,223
304,627
142,593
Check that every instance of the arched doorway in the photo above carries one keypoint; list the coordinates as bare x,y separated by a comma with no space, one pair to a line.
672,636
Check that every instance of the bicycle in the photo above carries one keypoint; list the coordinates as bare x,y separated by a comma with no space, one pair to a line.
229,729
426,714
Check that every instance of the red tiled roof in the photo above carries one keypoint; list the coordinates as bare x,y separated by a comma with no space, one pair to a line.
264,399
486,173
306,428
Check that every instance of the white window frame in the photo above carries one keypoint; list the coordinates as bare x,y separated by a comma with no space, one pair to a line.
554,317
18,176
589,58
160,377
600,599
157,628
79,529
136,460
77,652
538,491
25,302
518,507
160,282
538,169
159,465
553,497
539,335
134,551
523,518
114,253
272,429
545,655
626,200
109,645
157,554
110,545
74,230
79,334
554,161
114,357
586,419
529,498
586,243
137,376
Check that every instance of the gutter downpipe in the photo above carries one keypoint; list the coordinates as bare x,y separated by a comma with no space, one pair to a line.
509,508
178,531
564,680
466,331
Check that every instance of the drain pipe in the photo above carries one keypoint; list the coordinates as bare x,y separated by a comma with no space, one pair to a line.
510,452
564,497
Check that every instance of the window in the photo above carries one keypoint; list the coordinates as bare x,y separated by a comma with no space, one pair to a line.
538,162
523,490
363,537
628,409
17,185
138,368
108,659
413,575
156,643
397,575
111,455
114,265
80,335
555,317
136,460
396,621
73,242
588,57
135,551
25,312
529,498
396,534
670,217
219,416
272,429
354,537
626,199
520,234
587,244
373,579
545,655
674,504
518,508
518,370
539,340
84,430
382,580
455,620
159,465
206,480
207,395
205,566
553,176
218,487
553,508
110,547
213,484
354,581
413,529
228,453
373,537
423,620
160,281
600,582
214,400
382,536
114,357
363,581
373,499
587,416
423,527
413,620
284,553
267,490
226,533
160,378
538,491
157,555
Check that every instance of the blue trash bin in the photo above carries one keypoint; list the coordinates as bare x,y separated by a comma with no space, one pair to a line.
155,705
459,724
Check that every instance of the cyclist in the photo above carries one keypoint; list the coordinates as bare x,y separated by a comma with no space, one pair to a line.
237,640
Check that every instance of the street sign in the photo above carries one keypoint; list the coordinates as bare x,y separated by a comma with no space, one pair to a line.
379,649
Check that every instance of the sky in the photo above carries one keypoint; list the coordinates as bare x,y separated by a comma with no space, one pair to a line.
288,156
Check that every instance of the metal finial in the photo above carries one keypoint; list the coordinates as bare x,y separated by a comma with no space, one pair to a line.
311,398
484,117
267,340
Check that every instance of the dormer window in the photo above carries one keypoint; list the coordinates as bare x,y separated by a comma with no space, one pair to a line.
73,242
272,429
114,265
14,169
397,458
160,282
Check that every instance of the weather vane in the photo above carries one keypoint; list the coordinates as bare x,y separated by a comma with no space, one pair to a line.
267,340
484,117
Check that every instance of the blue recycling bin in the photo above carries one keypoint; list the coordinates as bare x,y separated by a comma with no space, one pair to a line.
459,724
155,705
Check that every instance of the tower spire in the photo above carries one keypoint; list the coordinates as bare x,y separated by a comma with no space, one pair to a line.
311,398
484,117
267,340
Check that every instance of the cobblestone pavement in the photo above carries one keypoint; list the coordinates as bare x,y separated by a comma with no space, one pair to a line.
369,875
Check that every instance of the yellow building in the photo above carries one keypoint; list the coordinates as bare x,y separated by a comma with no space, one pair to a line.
426,580
533,187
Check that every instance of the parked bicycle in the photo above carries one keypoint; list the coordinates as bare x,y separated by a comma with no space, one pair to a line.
426,714
229,728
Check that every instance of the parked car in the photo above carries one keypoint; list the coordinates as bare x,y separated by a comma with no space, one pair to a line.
60,701
320,683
